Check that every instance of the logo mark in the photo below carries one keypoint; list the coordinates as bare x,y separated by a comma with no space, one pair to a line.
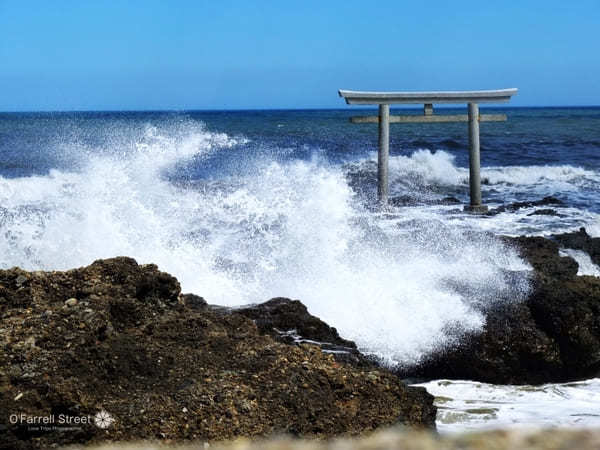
103,419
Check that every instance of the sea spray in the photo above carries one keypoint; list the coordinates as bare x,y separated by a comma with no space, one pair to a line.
401,284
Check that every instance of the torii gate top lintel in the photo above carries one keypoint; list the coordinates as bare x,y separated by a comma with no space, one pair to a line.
393,98
472,98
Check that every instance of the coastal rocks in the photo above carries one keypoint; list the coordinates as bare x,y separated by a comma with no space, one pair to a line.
553,336
155,364
544,258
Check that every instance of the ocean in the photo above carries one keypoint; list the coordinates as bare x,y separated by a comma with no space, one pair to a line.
243,206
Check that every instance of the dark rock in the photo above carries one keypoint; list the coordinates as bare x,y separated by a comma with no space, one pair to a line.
511,207
543,256
194,301
449,201
545,212
290,322
510,350
284,314
569,312
403,200
407,200
165,366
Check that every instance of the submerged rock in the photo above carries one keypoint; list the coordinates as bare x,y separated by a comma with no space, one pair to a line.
407,200
546,212
160,365
511,207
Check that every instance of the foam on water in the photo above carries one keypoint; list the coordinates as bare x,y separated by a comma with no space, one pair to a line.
439,168
586,265
468,405
401,283
433,175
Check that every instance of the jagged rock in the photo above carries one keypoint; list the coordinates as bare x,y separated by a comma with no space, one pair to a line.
543,256
166,367
194,301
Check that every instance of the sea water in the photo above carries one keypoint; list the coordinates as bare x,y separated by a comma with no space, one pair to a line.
247,205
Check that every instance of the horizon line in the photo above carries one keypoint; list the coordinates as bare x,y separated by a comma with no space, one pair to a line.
343,108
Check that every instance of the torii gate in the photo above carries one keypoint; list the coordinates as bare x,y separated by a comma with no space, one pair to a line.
472,98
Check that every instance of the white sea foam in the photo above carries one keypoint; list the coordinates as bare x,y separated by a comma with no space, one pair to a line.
428,174
427,168
439,167
593,227
586,265
468,405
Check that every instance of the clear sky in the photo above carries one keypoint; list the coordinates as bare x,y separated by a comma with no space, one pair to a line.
220,54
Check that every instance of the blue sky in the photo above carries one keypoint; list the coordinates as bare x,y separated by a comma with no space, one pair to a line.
220,54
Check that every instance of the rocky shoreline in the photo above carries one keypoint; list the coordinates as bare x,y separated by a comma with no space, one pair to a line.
121,337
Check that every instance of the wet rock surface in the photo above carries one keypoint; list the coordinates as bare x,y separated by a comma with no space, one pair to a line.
119,337
553,336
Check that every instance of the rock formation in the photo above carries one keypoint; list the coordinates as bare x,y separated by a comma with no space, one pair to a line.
118,337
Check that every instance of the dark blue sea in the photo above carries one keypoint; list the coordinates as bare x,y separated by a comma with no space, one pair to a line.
242,206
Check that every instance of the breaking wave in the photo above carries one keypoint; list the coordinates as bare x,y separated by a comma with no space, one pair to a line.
401,284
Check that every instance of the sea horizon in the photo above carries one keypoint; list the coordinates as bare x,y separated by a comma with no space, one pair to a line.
258,109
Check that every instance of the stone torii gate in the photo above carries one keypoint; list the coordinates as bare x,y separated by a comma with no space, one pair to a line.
472,98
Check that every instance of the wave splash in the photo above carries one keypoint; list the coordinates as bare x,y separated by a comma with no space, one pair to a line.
424,168
293,228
